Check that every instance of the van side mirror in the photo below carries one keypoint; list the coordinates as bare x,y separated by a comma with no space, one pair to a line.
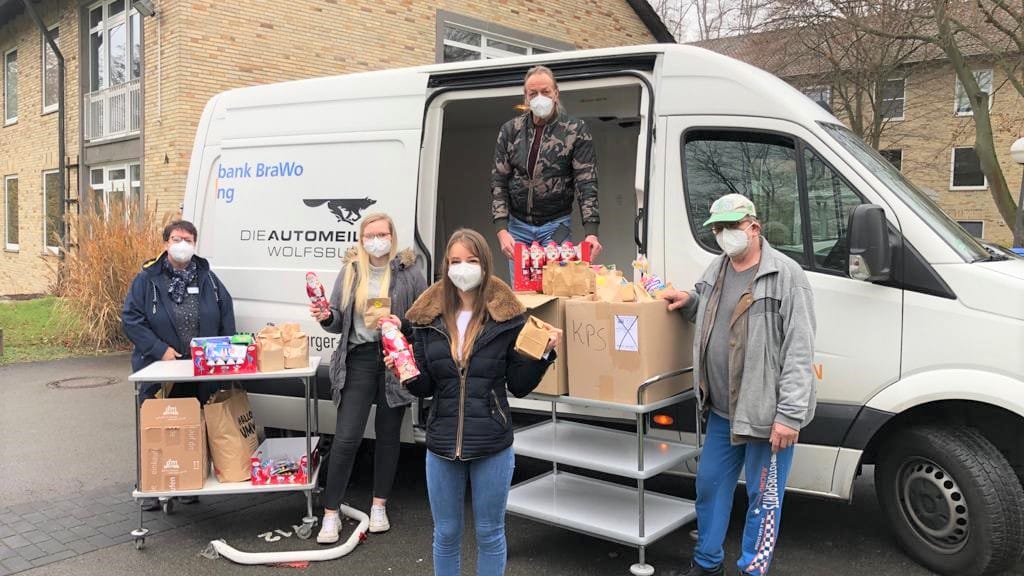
868,242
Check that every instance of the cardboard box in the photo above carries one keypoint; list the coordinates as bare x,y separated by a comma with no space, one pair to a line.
551,309
172,441
615,347
283,461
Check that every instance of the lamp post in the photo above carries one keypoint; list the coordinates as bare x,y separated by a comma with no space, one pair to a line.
1017,153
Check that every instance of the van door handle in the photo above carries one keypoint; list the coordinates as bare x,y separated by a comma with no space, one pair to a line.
641,249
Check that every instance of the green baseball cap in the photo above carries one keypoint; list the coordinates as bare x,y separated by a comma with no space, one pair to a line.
731,208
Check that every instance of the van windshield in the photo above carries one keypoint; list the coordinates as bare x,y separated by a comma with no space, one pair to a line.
959,239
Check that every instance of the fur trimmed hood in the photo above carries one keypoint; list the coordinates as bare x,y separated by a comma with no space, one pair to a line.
502,304
404,259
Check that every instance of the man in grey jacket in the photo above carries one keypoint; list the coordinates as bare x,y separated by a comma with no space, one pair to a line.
753,354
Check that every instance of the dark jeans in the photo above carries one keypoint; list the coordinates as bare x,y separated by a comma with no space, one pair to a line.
364,385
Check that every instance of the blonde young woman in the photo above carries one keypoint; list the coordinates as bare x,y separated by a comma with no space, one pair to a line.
375,279
465,328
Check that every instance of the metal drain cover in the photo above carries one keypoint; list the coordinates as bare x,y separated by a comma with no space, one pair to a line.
81,382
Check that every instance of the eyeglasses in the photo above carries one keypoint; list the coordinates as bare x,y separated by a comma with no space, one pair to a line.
384,235
178,239
719,226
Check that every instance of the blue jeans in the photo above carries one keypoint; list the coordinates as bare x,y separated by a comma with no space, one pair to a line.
719,471
528,234
491,477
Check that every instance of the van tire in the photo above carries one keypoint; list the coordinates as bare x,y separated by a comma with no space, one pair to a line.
952,500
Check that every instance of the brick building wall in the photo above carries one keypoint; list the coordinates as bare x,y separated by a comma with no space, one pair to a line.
930,130
28,148
226,44
193,50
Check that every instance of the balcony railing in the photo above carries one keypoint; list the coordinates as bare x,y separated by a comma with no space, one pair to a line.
112,112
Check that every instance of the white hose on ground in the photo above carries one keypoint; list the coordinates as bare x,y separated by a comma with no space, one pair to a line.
315,555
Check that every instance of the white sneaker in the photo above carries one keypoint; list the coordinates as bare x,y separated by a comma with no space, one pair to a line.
329,531
379,520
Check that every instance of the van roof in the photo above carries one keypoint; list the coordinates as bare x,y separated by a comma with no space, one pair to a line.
688,81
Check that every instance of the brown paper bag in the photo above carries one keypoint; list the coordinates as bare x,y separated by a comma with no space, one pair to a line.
533,339
296,350
231,434
270,349
288,329
573,279
376,308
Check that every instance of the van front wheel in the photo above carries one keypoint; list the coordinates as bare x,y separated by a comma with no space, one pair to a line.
952,500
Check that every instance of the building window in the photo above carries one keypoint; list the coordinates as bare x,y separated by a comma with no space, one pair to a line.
822,96
893,97
116,190
894,156
11,86
52,198
461,43
50,72
967,174
963,103
975,228
11,212
115,65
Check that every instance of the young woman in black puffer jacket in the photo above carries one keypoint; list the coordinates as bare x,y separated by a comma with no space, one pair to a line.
465,328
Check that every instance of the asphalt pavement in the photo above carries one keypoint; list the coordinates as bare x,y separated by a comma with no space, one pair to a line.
65,507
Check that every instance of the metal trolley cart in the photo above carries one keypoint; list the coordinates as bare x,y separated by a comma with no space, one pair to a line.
181,371
622,514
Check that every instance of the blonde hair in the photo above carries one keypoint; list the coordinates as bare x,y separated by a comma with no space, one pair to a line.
477,245
362,288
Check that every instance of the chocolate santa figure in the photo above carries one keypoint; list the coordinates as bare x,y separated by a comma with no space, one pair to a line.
525,266
569,253
537,261
397,347
316,292
551,253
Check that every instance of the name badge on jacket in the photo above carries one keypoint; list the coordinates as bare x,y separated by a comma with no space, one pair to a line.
193,289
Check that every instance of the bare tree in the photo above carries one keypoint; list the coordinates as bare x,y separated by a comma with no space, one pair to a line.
673,13
710,19
855,65
952,27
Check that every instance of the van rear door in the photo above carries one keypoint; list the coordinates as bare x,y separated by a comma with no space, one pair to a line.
287,173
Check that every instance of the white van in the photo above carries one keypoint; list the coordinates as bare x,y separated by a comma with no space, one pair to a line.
920,353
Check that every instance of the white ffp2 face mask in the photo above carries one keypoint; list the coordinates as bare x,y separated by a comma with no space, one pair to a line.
181,252
465,275
732,241
377,247
542,106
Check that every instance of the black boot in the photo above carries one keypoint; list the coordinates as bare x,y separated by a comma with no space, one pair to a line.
698,570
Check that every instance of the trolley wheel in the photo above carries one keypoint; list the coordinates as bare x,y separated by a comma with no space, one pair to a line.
140,542
167,506
641,570
305,531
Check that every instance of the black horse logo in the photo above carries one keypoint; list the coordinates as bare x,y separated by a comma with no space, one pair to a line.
348,210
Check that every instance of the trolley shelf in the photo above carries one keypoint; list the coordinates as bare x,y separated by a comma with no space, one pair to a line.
598,508
600,449
616,406
214,487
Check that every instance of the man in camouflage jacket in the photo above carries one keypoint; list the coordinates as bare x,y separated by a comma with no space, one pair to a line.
543,160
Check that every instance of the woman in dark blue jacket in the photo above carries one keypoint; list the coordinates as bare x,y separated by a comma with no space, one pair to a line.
465,329
174,299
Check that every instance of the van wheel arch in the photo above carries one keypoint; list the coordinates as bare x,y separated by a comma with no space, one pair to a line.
1003,428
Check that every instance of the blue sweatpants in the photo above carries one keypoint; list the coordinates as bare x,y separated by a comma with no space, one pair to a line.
717,475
